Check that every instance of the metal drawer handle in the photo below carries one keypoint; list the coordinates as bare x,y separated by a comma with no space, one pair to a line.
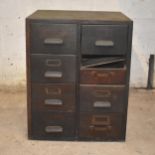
102,93
54,102
54,129
53,74
100,128
105,75
101,120
53,62
104,43
102,104
53,91
53,41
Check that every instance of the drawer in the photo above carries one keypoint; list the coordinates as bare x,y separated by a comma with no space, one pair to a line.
52,68
104,39
54,97
99,98
46,125
53,38
100,127
103,76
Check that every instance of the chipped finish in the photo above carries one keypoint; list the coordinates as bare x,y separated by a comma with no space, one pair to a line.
102,76
55,54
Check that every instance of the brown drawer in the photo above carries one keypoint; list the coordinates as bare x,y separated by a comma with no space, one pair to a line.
53,38
52,68
99,98
56,97
47,125
103,76
100,127
104,39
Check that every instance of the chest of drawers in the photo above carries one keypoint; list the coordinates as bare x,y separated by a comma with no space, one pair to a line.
78,68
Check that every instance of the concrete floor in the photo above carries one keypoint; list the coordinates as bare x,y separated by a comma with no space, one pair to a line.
140,130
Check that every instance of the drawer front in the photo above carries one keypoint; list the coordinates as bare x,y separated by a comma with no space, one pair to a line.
102,98
54,97
47,68
53,38
103,76
104,39
100,127
54,126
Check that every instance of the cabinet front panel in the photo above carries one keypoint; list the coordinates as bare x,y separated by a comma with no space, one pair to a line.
104,39
100,126
53,38
50,125
53,68
99,98
55,97
103,76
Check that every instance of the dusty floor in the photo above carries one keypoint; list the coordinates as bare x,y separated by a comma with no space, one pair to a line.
140,130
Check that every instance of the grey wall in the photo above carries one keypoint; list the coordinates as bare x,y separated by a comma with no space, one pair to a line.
12,33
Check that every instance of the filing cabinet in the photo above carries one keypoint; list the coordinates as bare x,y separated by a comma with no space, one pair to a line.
78,69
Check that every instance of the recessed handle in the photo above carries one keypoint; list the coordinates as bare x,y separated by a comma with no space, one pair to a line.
100,120
102,104
54,129
106,75
104,43
53,62
100,128
102,93
53,41
53,74
103,75
53,91
53,102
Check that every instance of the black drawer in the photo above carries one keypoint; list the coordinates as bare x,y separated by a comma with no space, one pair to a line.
53,38
104,39
52,68
47,125
53,97
99,98
101,126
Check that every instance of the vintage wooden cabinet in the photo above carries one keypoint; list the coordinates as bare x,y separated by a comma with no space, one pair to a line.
78,68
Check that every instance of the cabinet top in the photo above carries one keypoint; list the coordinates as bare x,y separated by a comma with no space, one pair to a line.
79,16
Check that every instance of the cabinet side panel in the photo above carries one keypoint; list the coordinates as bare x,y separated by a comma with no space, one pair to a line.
78,80
128,58
29,123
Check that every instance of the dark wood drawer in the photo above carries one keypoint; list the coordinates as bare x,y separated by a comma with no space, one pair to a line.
99,98
100,127
104,39
47,125
53,38
52,68
78,67
103,76
55,97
